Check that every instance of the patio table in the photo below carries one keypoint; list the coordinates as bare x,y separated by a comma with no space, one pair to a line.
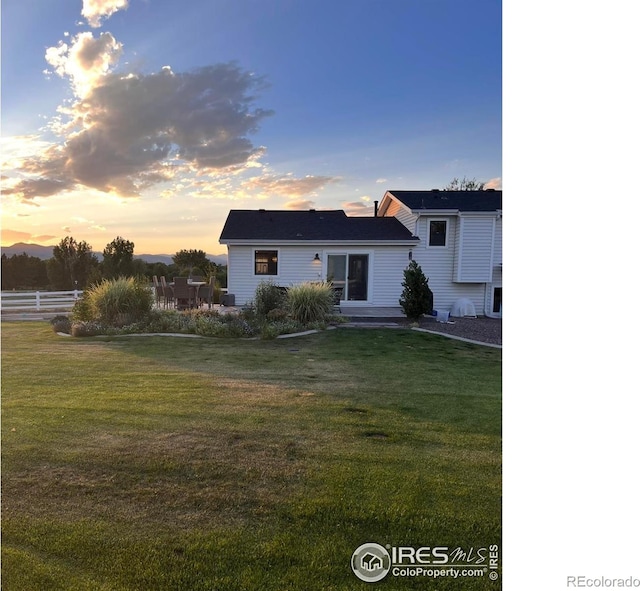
196,285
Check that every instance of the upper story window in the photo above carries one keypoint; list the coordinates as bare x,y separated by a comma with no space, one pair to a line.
437,232
266,262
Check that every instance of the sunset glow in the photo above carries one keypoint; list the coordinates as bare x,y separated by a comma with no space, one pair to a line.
149,120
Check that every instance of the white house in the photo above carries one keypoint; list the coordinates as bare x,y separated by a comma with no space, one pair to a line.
455,236
460,248
365,256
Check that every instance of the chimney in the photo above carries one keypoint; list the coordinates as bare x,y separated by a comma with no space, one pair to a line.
375,209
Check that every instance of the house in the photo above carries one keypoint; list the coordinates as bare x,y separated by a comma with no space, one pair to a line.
455,236
365,256
460,248
370,562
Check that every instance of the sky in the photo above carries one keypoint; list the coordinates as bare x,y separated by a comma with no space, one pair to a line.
151,119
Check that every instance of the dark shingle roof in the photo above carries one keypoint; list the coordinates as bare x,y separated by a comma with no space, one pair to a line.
456,200
309,225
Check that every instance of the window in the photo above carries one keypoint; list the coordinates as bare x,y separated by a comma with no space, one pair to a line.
497,300
266,262
437,233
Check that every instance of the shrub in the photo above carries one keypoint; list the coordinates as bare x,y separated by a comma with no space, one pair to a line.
86,329
417,297
61,324
277,314
268,297
162,321
81,311
118,302
310,302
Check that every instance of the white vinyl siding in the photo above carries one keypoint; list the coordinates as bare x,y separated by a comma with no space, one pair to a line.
296,265
386,273
403,214
474,250
437,264
497,242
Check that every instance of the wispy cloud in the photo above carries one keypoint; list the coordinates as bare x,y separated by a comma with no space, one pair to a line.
12,236
494,184
300,204
288,185
95,10
357,208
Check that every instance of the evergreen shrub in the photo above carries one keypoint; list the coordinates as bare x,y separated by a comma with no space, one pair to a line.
417,297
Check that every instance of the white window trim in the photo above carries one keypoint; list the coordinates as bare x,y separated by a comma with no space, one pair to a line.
446,235
266,248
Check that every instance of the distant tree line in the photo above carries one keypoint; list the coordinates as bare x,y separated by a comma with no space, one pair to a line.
75,266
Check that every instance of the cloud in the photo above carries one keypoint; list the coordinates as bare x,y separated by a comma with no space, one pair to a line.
300,204
288,185
125,132
12,236
86,61
95,10
494,184
40,187
357,208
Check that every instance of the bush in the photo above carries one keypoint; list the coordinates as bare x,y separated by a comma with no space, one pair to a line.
61,324
268,297
417,297
116,302
277,314
86,329
81,311
310,302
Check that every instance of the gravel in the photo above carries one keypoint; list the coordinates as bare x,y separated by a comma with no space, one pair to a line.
485,330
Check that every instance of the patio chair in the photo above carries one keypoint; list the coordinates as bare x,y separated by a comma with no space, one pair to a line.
167,292
206,292
157,288
183,293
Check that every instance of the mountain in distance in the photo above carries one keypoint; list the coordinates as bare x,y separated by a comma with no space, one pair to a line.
46,252
218,259
33,250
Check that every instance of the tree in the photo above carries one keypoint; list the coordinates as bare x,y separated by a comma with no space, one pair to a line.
118,259
192,259
71,264
464,184
22,271
417,297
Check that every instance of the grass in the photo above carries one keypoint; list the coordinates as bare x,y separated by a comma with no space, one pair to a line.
165,463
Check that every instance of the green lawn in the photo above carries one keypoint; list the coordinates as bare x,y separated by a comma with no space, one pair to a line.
165,463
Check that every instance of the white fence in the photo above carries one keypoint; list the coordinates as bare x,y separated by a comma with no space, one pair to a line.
39,300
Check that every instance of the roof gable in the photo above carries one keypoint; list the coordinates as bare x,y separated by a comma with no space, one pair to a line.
310,225
489,200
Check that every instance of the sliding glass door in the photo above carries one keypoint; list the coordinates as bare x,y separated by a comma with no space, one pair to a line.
350,274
